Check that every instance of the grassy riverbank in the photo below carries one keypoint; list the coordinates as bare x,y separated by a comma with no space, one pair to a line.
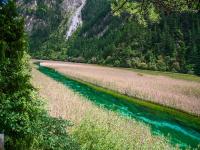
174,93
181,76
174,75
179,114
95,128
182,116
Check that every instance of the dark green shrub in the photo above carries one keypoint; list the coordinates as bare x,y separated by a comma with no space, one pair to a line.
117,63
23,120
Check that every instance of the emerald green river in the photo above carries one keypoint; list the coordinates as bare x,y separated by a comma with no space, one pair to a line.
177,132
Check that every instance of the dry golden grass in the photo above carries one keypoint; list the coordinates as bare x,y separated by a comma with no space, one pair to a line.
61,102
88,118
180,94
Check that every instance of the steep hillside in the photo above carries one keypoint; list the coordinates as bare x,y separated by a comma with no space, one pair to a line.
47,23
172,44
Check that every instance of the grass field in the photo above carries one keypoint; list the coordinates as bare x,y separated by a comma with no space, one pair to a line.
95,128
183,94
187,77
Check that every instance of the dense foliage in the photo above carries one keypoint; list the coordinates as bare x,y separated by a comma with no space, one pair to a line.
150,9
156,34
172,44
48,23
23,120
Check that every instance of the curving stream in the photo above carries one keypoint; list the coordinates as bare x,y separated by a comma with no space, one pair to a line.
178,133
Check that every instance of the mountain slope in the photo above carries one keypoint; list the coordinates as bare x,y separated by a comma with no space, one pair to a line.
173,44
47,23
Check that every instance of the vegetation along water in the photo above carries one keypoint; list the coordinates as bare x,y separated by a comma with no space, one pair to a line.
180,133
155,35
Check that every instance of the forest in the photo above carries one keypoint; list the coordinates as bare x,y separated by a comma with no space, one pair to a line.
169,42
172,44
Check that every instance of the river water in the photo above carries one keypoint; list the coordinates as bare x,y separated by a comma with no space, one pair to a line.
161,123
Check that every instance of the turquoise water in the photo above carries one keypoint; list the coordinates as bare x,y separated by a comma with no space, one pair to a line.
160,123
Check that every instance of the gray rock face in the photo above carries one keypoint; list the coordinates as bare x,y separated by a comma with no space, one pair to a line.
68,8
1,141
30,19
75,20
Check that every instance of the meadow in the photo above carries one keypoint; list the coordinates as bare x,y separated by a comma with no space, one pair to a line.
163,88
95,128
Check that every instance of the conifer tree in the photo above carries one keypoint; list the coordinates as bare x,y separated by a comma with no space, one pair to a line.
23,120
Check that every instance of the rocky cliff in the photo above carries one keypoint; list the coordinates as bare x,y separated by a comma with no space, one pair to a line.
49,20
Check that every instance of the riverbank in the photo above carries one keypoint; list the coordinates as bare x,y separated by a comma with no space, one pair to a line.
180,115
105,129
175,93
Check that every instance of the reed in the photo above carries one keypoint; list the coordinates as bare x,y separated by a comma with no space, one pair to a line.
175,93
104,129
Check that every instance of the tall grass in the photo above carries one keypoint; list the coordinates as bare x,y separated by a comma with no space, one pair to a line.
105,130
187,77
95,128
180,94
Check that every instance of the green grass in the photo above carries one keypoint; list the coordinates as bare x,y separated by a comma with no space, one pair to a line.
188,77
108,131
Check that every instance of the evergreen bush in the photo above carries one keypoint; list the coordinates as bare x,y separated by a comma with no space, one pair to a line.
23,120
